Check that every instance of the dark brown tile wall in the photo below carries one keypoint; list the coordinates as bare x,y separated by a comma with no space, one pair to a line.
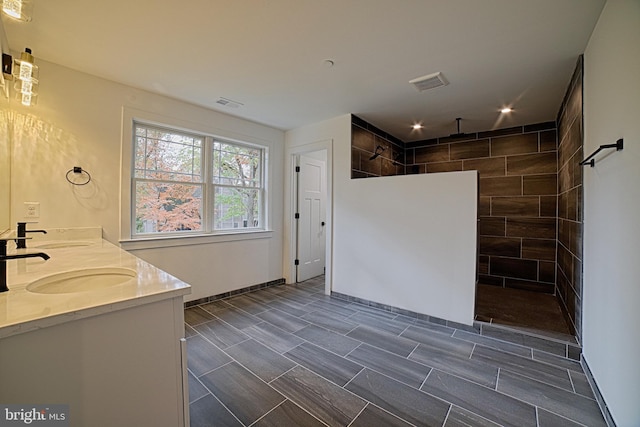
517,203
570,153
365,138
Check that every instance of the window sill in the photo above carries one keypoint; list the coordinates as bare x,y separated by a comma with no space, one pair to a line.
196,239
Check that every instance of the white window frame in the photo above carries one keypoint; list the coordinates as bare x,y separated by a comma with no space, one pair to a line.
129,239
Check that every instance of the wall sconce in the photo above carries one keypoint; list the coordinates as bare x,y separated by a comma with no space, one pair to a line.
17,9
26,78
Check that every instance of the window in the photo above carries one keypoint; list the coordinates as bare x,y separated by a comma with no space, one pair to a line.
187,183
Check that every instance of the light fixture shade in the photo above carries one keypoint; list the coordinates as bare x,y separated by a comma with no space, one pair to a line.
25,73
18,9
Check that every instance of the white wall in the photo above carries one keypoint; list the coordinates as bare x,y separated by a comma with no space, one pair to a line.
410,242
406,241
78,122
611,305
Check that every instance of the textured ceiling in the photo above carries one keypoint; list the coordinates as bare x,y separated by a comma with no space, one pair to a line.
270,56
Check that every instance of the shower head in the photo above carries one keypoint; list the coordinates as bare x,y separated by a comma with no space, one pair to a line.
379,150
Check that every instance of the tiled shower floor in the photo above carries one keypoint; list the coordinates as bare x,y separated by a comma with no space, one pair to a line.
520,308
291,356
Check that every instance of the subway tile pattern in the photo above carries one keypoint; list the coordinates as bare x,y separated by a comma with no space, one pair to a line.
339,362
517,202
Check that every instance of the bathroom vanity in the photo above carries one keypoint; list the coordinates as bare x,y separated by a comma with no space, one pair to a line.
97,329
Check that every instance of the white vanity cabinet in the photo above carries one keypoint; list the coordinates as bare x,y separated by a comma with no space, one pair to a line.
120,368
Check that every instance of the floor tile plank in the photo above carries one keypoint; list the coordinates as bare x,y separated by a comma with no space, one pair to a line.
221,333
324,363
480,400
549,419
493,343
262,361
196,389
202,356
208,412
273,337
237,318
283,320
390,325
472,370
290,307
330,320
374,416
568,404
247,304
392,365
245,395
531,368
442,342
328,340
406,402
459,417
384,340
288,414
326,401
195,315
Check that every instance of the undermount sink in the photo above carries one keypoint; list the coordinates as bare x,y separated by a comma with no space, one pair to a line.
65,244
86,280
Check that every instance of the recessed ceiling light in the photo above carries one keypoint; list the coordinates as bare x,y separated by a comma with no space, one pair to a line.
417,126
506,110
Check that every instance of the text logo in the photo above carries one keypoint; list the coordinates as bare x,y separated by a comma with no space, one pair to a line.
34,415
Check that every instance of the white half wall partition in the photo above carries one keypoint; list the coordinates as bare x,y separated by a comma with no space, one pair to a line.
409,242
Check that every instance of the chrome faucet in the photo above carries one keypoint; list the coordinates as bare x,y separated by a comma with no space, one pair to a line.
4,258
21,242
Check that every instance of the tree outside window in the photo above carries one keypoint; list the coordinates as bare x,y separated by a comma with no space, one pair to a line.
172,194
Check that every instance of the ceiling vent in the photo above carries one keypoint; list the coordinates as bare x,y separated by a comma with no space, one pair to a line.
229,103
429,82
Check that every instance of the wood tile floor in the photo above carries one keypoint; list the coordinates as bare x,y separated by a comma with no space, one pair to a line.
291,356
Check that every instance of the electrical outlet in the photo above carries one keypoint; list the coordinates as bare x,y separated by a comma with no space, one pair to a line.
32,209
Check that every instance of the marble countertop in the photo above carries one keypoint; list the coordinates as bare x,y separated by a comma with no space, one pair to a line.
22,310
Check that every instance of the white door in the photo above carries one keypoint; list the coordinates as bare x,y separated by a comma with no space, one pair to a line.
312,194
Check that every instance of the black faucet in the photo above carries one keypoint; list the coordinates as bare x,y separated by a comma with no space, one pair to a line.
3,261
21,243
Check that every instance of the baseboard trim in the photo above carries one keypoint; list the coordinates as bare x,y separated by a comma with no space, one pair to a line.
235,292
604,408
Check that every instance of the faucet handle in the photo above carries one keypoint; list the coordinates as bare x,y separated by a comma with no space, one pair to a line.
20,241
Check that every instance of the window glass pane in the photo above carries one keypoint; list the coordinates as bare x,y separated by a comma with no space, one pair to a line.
236,165
165,155
236,208
167,207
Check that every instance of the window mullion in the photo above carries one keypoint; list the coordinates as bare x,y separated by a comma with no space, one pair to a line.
208,183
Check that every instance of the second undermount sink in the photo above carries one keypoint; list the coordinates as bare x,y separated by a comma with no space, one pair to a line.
86,280
62,244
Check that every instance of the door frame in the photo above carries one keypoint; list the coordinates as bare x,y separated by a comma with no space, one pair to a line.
290,194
